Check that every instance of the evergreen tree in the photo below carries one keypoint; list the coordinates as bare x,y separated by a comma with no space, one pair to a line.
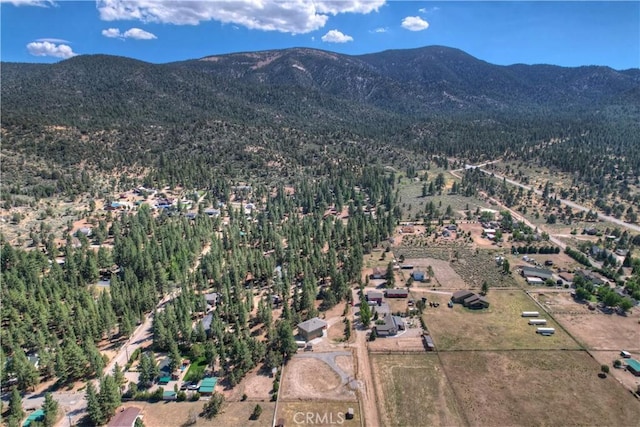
15,407
109,397
50,408
94,408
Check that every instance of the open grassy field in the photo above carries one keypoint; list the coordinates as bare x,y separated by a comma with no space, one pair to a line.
174,414
413,391
537,388
410,193
500,327
318,413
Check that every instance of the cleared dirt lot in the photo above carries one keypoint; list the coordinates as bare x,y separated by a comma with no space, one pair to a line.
537,388
413,391
318,413
409,340
324,376
444,275
604,335
500,327
594,329
234,414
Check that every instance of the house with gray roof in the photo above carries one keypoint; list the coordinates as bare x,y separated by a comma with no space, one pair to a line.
312,328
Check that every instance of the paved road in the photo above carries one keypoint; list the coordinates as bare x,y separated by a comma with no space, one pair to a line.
569,203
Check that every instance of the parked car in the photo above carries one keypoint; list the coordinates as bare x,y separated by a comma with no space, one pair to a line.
193,386
185,385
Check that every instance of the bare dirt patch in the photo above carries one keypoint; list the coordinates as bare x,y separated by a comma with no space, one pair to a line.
309,378
604,335
533,388
409,340
319,413
234,414
256,385
414,391
501,326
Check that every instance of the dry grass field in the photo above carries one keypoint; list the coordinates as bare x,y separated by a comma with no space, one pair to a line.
444,275
318,413
413,391
500,327
309,378
174,414
537,388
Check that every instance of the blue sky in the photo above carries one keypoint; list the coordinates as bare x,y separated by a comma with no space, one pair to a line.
500,32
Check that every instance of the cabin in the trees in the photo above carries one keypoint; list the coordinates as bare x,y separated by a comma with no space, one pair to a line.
312,328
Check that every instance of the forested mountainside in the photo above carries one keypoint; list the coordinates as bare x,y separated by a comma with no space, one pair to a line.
307,107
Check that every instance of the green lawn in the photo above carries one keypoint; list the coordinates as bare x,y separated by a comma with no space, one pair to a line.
196,370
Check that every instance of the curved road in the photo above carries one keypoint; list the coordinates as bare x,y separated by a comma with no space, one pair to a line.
569,203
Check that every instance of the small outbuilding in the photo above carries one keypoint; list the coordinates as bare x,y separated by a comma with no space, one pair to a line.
375,296
312,328
418,276
207,386
633,366
397,293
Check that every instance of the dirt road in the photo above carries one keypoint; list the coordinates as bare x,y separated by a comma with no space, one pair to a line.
365,377
569,203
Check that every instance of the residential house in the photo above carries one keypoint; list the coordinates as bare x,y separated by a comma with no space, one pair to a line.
536,272
312,328
476,302
387,326
460,296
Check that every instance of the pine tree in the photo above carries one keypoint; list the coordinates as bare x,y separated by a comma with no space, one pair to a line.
50,408
15,407
109,397
94,408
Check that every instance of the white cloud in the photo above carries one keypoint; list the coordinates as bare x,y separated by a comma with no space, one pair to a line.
425,11
132,33
50,49
289,16
112,33
414,23
335,36
52,40
138,34
40,3
380,30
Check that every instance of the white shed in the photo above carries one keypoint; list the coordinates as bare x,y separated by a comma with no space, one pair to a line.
530,314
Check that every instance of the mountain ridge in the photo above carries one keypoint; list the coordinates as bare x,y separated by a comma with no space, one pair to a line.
304,84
